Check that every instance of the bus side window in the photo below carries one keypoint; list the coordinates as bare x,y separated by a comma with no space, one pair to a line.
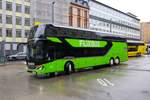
51,53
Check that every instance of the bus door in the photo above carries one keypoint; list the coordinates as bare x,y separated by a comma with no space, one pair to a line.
51,53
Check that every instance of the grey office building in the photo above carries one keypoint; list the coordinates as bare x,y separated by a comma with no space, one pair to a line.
50,11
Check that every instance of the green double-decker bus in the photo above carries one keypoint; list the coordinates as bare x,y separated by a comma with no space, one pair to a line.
53,49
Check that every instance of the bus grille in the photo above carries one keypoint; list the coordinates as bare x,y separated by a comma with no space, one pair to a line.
31,67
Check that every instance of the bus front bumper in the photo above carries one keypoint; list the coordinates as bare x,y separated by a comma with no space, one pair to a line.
37,70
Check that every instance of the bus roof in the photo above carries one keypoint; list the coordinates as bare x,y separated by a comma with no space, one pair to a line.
103,34
88,34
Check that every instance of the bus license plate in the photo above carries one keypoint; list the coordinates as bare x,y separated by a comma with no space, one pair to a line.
31,64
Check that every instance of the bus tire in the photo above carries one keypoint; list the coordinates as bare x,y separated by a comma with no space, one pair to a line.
69,68
52,74
111,62
138,54
117,61
14,59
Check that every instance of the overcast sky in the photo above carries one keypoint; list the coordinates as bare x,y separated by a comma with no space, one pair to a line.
140,8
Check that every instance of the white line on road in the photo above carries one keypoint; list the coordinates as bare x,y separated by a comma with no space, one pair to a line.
104,82
111,84
101,82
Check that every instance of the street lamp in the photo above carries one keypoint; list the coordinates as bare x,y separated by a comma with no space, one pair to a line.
53,4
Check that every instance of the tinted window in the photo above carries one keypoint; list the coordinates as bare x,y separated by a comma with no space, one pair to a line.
75,33
51,31
132,48
135,44
66,32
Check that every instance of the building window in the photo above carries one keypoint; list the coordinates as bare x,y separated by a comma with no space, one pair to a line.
79,21
27,9
8,19
78,12
18,20
7,46
27,21
9,6
85,23
18,7
0,18
78,18
8,32
85,19
27,0
85,14
14,47
0,32
70,16
0,4
18,32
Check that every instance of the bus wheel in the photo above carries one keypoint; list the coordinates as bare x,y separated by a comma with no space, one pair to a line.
52,74
117,61
111,62
138,54
14,59
69,68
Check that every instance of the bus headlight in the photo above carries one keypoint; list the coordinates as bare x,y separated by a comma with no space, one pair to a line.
40,67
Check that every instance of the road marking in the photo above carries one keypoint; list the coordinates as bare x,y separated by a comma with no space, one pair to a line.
104,82
101,82
111,84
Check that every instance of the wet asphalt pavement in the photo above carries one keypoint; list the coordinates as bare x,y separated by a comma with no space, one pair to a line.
128,81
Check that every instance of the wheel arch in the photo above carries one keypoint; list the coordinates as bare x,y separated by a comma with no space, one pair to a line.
69,61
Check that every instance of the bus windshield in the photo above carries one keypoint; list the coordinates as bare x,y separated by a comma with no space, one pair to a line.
38,52
37,31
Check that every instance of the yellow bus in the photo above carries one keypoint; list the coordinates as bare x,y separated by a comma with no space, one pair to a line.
136,48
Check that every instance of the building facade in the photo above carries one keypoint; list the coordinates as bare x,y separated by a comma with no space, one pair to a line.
89,14
50,11
14,24
73,13
79,14
110,20
145,32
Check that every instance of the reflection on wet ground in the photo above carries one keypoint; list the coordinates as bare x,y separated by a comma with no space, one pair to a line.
127,81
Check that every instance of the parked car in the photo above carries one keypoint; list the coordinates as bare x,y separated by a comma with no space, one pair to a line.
17,56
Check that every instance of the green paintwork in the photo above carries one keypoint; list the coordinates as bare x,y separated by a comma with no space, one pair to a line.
54,39
86,43
119,49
